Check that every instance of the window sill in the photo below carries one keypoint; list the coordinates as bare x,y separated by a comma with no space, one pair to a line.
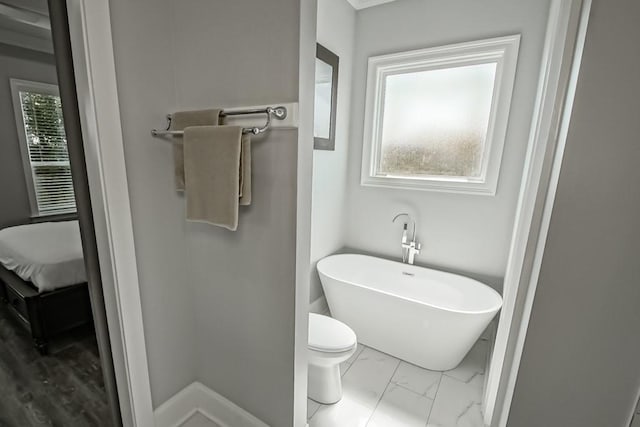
55,216
443,185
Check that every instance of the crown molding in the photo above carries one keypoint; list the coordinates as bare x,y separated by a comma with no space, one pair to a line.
25,16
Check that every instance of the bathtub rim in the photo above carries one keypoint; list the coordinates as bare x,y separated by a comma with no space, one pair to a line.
493,310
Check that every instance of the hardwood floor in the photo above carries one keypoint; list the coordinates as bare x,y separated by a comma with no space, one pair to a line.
65,388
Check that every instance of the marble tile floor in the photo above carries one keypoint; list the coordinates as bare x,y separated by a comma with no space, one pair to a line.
380,390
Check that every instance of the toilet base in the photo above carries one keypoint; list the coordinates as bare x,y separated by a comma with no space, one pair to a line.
325,384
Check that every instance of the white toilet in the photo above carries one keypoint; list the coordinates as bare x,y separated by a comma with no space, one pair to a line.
331,342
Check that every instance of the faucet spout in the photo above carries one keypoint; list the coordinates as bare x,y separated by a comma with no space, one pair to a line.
404,230
409,249
399,215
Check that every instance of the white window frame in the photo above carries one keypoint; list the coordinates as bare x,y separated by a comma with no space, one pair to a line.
17,86
502,50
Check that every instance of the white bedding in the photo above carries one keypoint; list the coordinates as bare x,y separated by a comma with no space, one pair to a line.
48,254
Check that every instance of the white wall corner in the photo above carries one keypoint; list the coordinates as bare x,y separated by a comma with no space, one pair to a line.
198,398
180,407
363,4
319,306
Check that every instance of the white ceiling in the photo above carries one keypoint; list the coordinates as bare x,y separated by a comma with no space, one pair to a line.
362,4
25,27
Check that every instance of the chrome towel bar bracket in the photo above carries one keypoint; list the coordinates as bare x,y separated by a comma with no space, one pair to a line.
279,113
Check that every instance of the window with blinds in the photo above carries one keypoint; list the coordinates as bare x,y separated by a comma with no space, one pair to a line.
44,148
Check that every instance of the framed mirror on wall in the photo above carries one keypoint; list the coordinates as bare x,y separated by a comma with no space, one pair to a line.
326,94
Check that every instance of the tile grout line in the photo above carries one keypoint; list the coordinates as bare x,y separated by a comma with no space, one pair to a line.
320,405
475,374
434,399
414,392
384,391
349,365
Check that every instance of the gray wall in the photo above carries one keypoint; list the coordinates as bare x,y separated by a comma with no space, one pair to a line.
145,77
218,306
581,361
245,53
336,32
27,65
465,233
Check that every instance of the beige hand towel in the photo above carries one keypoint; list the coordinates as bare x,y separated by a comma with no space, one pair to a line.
245,171
245,168
212,174
179,121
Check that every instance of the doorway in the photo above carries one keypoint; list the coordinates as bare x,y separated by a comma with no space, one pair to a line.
562,30
57,366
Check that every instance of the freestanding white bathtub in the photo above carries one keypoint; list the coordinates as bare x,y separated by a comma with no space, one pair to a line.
426,317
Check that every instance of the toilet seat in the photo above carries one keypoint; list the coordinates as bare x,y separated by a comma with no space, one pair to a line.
329,335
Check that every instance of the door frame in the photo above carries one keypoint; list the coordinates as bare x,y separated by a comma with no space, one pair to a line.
89,23
304,182
66,89
560,67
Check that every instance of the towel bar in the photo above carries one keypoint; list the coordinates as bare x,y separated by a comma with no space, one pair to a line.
280,113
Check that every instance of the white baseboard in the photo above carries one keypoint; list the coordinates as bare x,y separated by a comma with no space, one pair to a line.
198,398
179,408
319,306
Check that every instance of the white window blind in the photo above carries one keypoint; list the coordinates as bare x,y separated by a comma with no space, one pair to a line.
46,153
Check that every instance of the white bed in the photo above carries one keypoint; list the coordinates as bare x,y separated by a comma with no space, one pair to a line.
47,254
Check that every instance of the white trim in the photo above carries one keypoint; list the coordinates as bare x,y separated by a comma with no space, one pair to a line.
198,398
503,51
46,88
560,66
179,408
636,411
562,132
17,86
306,91
93,60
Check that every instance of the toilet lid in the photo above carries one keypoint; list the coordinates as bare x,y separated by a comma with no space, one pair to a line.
329,335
